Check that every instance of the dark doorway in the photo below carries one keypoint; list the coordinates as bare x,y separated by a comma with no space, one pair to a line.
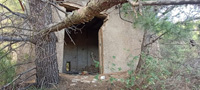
81,51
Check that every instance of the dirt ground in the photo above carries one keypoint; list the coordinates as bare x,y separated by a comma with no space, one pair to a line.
89,82
85,82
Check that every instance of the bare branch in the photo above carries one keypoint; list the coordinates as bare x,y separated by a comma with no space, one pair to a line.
122,17
53,4
10,44
156,39
7,38
166,11
16,28
164,2
15,13
10,50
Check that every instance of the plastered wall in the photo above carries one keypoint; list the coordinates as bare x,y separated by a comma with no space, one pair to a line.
120,44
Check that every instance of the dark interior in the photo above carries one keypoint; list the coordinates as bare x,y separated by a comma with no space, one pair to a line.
82,55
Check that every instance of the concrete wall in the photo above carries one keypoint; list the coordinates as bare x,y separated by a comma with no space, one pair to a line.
120,43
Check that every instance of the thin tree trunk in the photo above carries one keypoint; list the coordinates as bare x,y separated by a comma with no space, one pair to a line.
144,52
46,58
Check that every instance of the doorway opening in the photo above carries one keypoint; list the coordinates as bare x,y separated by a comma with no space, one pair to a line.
81,48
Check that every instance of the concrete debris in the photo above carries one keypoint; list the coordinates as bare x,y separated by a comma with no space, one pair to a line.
73,84
85,77
103,77
85,81
75,80
94,80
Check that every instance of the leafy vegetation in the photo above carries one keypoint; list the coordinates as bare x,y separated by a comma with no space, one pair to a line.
172,70
6,70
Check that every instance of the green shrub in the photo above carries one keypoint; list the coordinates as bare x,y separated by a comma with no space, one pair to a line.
7,72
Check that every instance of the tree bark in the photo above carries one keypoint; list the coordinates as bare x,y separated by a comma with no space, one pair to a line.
46,61
144,52
46,58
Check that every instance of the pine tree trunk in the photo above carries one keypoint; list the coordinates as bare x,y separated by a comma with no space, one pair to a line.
46,59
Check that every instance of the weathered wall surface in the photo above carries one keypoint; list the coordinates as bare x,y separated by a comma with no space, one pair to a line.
58,16
120,43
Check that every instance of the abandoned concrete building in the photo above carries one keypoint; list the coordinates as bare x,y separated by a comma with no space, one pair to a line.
107,41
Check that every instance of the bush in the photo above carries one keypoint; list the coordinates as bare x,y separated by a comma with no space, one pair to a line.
7,72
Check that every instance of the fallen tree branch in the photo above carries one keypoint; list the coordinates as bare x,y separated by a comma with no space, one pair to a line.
83,15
